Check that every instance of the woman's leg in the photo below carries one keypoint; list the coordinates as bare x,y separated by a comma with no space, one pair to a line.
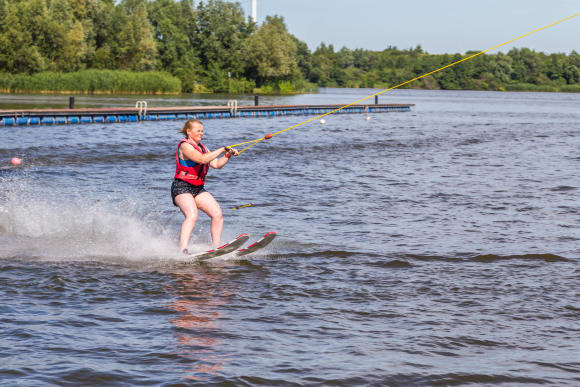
210,206
186,204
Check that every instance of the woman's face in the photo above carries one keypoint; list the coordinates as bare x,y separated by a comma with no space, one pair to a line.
195,133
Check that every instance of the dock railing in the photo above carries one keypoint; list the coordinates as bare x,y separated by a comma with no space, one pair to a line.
233,106
142,112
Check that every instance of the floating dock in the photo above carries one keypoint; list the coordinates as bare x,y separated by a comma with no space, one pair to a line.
142,113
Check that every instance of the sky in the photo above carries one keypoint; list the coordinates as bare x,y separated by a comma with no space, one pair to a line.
443,26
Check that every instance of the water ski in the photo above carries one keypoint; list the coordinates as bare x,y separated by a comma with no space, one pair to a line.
259,244
222,250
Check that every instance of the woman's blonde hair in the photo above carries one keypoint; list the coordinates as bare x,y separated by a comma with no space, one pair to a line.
188,125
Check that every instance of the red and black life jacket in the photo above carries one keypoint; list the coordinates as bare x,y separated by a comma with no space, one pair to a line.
189,170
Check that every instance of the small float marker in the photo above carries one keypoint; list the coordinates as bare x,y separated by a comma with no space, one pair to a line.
323,121
16,161
368,118
268,136
242,206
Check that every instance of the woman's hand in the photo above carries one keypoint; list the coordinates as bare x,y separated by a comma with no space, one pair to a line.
231,152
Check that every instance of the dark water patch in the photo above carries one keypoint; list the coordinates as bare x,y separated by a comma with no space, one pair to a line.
527,257
467,257
567,226
471,141
102,317
457,379
571,312
7,268
249,381
563,188
55,283
527,209
573,367
430,258
373,145
391,264
13,373
473,341
568,210
100,300
568,238
160,311
21,334
100,159
325,254
255,263
91,376
76,324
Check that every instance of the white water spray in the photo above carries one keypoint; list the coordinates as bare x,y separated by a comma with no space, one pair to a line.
45,225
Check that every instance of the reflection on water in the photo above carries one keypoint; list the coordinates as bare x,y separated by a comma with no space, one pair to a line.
199,296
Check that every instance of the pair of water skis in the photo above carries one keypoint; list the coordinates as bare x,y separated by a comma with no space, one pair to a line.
234,247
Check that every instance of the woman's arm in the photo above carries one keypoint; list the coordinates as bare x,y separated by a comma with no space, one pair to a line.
201,158
219,163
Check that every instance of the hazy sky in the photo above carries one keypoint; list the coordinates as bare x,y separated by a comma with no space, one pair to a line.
443,26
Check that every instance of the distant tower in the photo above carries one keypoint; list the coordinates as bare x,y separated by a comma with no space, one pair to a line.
255,11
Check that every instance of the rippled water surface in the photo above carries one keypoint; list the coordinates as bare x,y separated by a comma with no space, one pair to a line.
435,247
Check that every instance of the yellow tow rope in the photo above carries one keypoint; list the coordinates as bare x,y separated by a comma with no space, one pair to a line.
268,136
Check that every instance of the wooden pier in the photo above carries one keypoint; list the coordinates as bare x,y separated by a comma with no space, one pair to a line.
143,113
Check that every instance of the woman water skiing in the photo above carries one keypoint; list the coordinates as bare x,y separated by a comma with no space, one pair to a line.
193,160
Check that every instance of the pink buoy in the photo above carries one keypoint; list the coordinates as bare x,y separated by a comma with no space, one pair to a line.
16,161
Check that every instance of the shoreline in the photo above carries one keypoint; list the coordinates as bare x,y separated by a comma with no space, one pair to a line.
513,89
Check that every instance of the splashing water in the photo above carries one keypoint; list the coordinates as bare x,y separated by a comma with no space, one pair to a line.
40,223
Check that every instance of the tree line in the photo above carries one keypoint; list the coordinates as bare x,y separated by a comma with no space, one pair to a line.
214,47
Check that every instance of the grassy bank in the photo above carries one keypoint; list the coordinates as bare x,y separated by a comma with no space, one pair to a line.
153,82
127,82
287,87
92,82
548,88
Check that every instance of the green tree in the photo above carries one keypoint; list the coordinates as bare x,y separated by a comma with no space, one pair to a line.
556,67
108,21
139,48
304,57
74,50
63,39
190,69
323,62
572,71
271,53
446,78
501,67
220,35
171,24
344,58
528,65
17,52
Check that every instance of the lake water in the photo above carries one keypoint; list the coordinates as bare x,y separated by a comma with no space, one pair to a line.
434,247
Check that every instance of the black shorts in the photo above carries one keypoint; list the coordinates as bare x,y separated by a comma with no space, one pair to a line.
181,187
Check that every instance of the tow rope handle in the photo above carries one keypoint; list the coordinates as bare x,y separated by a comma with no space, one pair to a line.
253,142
